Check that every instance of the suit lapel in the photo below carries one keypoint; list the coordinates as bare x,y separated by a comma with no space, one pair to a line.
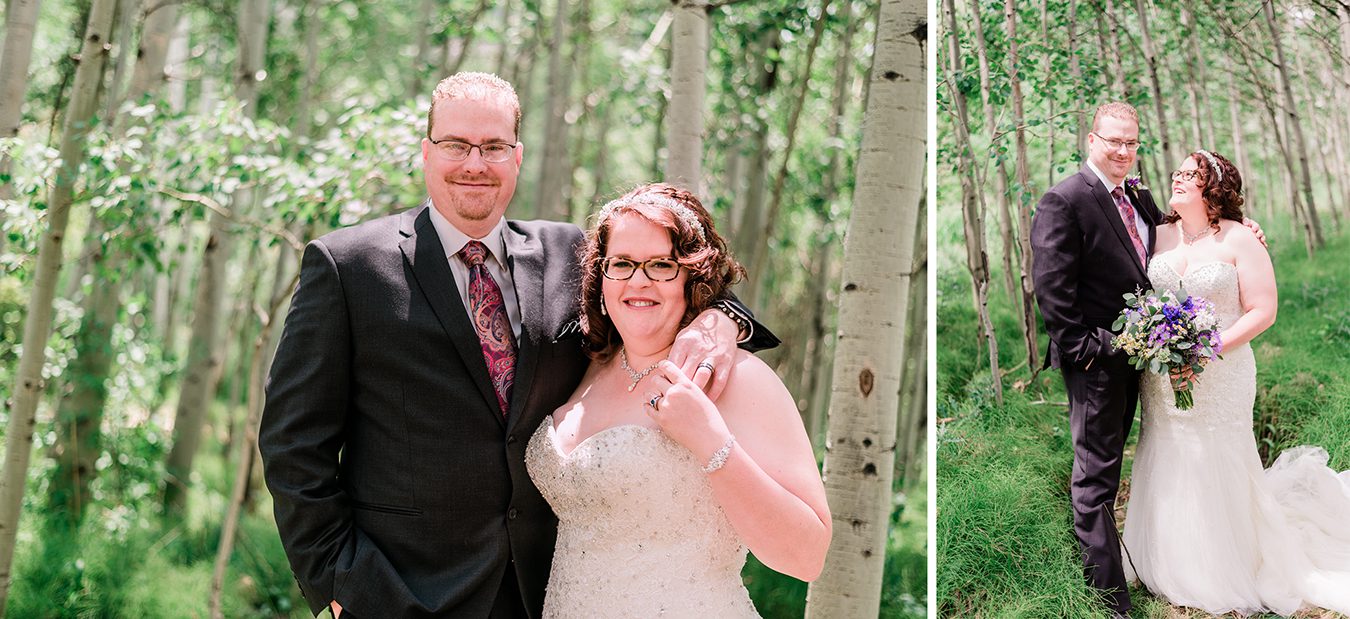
525,258
1107,204
425,255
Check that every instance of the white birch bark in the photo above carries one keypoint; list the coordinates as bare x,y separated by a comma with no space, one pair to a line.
688,85
1021,201
20,23
1000,167
153,55
548,201
758,264
972,217
202,370
1294,126
28,381
878,259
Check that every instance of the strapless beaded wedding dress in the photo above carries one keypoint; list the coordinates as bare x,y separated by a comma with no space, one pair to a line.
1206,526
639,531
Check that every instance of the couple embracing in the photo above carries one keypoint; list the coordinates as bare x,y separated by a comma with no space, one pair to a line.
1206,526
456,394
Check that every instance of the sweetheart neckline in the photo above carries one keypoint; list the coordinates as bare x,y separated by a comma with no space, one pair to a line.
1191,268
553,436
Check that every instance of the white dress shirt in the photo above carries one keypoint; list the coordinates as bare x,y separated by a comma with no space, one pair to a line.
453,240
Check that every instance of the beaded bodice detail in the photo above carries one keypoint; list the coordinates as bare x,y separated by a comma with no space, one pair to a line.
640,533
1226,389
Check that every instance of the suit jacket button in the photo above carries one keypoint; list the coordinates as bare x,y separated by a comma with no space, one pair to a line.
512,513
510,439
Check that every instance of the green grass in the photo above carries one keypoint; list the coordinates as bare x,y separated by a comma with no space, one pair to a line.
1004,543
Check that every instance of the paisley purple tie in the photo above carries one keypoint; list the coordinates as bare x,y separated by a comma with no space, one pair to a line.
487,310
1127,215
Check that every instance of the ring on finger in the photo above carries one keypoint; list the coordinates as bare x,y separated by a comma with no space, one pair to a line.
707,365
655,402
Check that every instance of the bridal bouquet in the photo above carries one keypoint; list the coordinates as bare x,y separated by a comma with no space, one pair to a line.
1166,331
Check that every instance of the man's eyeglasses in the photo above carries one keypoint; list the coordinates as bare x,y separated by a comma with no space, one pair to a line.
657,269
1132,145
1186,175
456,150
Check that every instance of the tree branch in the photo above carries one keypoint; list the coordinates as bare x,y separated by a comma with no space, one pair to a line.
210,203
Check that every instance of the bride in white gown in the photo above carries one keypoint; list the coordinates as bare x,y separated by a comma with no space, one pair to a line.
1206,526
658,490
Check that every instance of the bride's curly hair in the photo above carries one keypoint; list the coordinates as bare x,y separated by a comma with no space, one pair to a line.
712,270
1223,199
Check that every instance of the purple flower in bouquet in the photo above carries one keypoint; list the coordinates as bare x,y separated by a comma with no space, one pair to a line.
1166,331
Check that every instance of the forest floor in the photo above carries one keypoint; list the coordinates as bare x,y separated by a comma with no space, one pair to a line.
1004,542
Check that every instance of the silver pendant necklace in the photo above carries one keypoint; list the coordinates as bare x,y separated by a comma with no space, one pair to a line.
1192,238
636,376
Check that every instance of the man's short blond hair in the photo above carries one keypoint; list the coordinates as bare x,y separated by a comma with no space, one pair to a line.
1115,109
477,87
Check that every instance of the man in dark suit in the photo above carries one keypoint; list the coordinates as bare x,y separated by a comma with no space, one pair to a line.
420,353
1091,237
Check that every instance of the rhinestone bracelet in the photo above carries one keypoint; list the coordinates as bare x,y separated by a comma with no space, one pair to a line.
719,457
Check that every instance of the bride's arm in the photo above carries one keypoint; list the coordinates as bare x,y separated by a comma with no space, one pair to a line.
769,486
1256,287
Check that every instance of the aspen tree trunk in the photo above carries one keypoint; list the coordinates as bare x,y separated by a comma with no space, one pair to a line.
508,31
1023,204
752,215
123,22
813,356
1195,73
733,175
659,127
688,86
152,54
911,430
178,56
1155,85
839,97
759,260
1076,78
28,382
1326,154
1286,179
873,305
581,114
1106,31
1005,221
1293,126
977,258
453,62
261,361
1339,135
20,23
422,45
548,200
601,142
202,371
816,370
303,124
1343,91
1295,203
1239,146
1048,83
80,411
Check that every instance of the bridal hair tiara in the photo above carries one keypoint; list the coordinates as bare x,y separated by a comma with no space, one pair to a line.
1213,164
684,213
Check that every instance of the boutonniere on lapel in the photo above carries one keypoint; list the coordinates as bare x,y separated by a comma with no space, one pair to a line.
1135,183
